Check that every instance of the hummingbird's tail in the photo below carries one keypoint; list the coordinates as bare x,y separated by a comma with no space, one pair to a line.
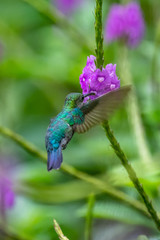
54,159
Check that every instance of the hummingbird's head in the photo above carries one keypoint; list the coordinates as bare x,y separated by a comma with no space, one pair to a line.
75,99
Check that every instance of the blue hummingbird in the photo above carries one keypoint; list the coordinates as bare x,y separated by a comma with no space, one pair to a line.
79,116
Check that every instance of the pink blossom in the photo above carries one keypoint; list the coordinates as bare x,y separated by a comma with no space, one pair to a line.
125,21
97,81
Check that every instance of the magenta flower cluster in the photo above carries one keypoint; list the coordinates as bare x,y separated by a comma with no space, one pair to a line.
67,6
6,192
125,21
97,81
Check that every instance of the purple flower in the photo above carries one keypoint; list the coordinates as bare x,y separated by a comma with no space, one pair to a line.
85,77
125,21
6,193
97,81
90,65
66,6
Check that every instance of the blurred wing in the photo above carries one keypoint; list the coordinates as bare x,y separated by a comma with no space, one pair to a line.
101,108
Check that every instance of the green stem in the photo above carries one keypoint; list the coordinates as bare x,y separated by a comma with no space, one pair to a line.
155,65
89,217
133,109
98,35
109,132
59,231
29,147
104,187
131,173
61,21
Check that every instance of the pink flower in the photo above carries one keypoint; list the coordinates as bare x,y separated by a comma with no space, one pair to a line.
125,21
6,193
97,81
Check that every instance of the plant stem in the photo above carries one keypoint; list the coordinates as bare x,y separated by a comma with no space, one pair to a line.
109,132
29,147
133,109
89,217
131,173
59,231
155,65
98,35
104,187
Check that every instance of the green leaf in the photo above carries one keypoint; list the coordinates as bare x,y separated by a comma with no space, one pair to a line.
115,211
142,237
59,193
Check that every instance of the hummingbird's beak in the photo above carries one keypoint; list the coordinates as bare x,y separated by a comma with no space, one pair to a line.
88,94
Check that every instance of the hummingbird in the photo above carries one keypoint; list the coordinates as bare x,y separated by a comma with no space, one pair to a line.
79,115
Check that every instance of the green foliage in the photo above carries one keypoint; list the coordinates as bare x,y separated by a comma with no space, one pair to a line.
142,237
112,210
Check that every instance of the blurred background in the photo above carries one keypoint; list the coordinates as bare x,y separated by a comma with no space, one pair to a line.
42,53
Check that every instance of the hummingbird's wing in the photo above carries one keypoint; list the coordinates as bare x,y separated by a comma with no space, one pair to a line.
100,109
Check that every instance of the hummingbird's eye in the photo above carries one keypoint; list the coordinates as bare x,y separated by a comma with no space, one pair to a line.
82,98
